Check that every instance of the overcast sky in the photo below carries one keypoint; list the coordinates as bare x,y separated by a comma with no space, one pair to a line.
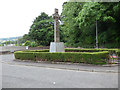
16,16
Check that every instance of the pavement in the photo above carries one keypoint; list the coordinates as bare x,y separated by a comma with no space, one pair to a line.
108,68
10,49
28,74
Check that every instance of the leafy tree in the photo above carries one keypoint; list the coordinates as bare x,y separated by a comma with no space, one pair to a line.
26,37
41,31
71,28
108,20
23,39
80,23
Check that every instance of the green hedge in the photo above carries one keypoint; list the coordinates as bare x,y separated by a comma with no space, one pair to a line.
118,52
24,55
75,57
44,50
76,50
88,50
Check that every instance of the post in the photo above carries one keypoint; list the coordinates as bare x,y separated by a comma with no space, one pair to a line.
96,35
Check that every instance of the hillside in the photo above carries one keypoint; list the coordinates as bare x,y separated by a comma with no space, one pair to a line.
10,38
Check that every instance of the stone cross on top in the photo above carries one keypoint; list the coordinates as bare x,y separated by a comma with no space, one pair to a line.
56,46
56,17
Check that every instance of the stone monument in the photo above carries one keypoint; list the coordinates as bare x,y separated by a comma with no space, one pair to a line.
56,46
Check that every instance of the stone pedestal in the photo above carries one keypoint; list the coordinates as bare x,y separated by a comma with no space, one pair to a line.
57,47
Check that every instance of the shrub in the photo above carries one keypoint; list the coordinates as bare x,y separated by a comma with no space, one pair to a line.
88,50
45,50
75,57
24,55
33,44
27,43
118,52
20,44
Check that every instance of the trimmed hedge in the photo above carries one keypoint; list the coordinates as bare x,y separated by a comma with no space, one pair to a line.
75,57
44,50
88,50
76,50
24,55
118,52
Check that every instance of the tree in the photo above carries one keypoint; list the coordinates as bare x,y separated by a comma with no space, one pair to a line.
80,22
71,28
108,21
41,31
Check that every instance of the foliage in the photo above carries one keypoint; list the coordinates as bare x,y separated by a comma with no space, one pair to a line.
33,44
79,57
80,23
24,38
107,18
20,44
41,31
119,53
76,50
70,28
27,43
89,50
9,42
24,56
45,50
79,28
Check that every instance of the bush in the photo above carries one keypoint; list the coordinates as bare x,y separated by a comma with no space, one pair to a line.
76,50
88,50
45,50
33,44
20,44
24,55
75,57
118,52
27,43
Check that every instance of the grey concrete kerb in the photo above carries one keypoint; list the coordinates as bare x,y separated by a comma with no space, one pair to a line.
110,68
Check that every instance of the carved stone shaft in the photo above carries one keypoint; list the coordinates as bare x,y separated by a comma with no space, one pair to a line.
56,46
56,17
56,31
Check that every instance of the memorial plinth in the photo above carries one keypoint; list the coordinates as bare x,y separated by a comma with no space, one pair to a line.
56,46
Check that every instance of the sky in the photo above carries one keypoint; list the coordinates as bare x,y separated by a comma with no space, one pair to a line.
16,16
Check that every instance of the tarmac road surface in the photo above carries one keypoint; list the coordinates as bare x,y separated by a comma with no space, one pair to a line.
39,75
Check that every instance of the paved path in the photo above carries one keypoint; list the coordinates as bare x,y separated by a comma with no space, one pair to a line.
9,58
18,74
9,49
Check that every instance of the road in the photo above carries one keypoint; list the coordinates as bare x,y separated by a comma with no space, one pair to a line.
24,75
